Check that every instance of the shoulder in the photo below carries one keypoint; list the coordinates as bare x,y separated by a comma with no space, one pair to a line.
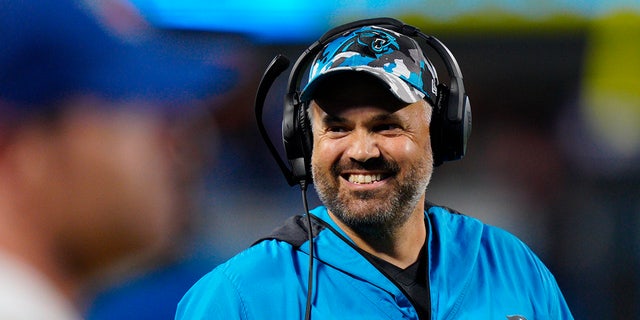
479,241
226,290
270,253
477,254
451,223
267,254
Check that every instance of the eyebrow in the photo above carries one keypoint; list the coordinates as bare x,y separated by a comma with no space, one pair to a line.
386,117
332,119
329,119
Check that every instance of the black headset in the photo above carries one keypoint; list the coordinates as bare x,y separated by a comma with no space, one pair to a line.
450,122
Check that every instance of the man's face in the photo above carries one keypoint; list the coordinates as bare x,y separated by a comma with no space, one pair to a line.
107,185
372,158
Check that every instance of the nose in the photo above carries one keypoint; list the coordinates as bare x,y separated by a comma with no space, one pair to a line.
362,147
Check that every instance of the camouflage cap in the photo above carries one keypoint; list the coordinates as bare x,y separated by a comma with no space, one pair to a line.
394,58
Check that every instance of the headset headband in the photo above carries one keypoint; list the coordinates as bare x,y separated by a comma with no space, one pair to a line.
456,80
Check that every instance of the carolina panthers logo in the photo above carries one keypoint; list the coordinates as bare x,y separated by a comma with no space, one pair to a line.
516,317
377,41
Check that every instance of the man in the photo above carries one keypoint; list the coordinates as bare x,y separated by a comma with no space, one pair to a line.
379,251
86,174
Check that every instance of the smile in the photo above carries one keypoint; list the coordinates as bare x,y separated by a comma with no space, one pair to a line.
364,178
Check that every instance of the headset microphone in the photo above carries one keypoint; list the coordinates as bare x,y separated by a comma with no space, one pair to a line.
278,65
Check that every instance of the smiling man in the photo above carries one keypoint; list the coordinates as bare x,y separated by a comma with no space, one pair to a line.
380,251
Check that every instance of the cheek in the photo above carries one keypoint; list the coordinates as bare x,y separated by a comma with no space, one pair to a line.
325,152
143,162
126,175
408,150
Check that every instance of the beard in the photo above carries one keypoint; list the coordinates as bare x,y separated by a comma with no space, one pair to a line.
375,213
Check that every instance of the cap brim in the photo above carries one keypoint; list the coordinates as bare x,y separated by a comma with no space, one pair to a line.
160,70
398,87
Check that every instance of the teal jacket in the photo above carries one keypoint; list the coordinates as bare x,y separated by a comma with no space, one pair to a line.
476,271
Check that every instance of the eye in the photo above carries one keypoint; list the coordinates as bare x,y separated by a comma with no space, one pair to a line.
336,129
387,127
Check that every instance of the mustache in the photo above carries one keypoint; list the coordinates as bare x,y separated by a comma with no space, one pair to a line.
375,164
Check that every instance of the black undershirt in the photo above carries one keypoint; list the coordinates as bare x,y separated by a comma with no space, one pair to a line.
413,280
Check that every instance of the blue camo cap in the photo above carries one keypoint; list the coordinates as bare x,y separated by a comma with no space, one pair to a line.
53,50
395,59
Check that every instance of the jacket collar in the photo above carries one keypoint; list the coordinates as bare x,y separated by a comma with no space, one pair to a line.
333,247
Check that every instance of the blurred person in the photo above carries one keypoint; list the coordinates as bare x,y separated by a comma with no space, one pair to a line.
196,139
367,129
154,291
87,173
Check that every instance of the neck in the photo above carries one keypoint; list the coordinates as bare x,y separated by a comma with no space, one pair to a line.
41,259
29,245
399,245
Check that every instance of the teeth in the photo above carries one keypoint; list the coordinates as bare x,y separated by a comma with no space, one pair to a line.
364,178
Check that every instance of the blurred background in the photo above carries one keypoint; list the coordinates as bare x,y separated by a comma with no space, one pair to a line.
554,156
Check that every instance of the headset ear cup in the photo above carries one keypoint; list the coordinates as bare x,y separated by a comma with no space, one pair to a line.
466,125
292,139
306,138
455,133
449,137
438,118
